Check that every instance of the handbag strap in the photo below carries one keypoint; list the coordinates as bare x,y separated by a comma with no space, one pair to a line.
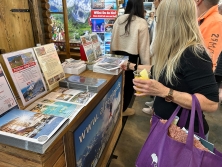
189,142
184,116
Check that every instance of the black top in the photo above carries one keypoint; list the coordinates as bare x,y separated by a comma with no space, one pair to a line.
218,70
195,75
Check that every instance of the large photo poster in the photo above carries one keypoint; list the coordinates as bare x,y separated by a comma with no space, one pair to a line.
7,98
26,74
50,64
91,136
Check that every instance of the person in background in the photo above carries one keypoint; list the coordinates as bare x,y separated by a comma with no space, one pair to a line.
130,37
210,22
183,67
149,109
150,19
218,70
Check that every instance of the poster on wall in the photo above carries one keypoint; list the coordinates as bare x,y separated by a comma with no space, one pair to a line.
26,74
93,133
103,16
7,98
50,64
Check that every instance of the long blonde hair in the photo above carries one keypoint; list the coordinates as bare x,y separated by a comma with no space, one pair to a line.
176,30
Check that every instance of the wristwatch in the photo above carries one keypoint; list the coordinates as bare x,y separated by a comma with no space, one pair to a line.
169,97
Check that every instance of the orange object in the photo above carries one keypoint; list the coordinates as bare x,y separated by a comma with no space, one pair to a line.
211,29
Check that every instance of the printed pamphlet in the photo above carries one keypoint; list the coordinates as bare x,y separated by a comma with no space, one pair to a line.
7,97
26,74
50,64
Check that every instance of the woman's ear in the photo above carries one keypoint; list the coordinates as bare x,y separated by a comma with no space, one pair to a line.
198,2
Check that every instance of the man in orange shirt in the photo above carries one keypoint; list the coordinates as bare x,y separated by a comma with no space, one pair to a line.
210,22
211,27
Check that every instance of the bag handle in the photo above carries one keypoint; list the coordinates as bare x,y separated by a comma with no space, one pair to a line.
189,142
184,116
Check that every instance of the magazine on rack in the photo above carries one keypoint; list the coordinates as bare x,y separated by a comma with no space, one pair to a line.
30,130
72,96
55,107
83,83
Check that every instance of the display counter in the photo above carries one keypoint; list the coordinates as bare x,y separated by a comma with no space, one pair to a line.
89,138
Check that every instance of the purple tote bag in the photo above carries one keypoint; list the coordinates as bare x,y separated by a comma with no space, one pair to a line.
160,150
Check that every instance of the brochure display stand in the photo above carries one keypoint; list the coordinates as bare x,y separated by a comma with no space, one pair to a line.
102,115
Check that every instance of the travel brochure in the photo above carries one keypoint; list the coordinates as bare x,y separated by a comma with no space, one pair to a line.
50,64
26,74
73,96
96,45
110,64
83,83
7,98
55,107
88,48
30,130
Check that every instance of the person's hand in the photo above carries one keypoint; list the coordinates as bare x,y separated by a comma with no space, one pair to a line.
123,65
149,87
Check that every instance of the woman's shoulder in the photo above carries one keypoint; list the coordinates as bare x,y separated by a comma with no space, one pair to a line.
140,23
197,54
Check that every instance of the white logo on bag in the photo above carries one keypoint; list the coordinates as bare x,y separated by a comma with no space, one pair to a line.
155,159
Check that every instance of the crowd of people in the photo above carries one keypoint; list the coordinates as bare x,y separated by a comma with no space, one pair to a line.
181,48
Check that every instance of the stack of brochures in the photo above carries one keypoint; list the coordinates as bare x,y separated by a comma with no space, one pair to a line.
110,64
83,83
30,130
72,66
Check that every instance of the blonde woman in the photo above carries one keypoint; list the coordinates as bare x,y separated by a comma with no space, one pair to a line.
182,65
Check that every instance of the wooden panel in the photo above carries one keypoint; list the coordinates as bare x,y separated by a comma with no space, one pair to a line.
36,25
20,153
69,145
16,29
61,161
54,156
51,150
18,161
3,164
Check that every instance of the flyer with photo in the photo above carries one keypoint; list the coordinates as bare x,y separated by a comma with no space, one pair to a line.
26,74
72,96
88,47
7,98
54,107
50,64
96,45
